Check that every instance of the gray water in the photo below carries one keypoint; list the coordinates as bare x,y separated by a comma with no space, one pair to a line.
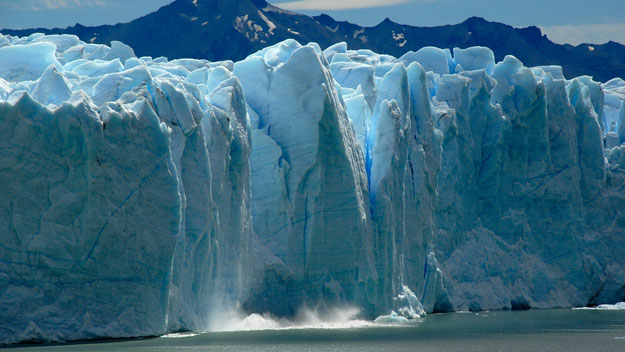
536,330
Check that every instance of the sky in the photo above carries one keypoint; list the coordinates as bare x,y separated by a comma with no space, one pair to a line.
564,21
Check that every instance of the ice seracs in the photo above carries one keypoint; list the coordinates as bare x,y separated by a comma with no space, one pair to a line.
27,62
143,196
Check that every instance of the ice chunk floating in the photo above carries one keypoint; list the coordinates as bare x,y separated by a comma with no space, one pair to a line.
618,306
142,196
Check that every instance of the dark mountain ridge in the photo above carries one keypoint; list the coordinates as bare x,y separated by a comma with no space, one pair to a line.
232,29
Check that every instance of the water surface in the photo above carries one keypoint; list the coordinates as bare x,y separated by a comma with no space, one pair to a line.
563,330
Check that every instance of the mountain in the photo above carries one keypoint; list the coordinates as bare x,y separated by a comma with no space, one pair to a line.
232,29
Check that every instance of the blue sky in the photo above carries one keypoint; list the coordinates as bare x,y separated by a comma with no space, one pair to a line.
572,21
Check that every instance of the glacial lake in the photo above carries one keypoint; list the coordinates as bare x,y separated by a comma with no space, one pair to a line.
564,330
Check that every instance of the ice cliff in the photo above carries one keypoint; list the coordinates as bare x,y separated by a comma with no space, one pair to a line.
126,191
142,196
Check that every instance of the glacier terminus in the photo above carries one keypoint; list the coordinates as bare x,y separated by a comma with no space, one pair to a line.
142,196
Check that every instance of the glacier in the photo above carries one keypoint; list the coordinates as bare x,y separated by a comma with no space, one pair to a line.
143,196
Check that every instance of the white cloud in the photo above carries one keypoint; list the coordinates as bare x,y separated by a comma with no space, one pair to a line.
586,33
40,5
340,4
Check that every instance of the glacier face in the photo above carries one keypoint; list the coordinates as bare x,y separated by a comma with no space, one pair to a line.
130,214
309,187
143,195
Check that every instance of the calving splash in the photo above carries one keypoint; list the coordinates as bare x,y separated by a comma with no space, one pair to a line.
408,306
305,318
141,196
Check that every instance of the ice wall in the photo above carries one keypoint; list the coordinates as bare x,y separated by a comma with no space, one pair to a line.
143,196
310,206
402,150
517,178
126,191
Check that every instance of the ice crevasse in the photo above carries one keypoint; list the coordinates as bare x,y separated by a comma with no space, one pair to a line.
143,195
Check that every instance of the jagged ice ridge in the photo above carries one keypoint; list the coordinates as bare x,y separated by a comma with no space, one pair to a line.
143,196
